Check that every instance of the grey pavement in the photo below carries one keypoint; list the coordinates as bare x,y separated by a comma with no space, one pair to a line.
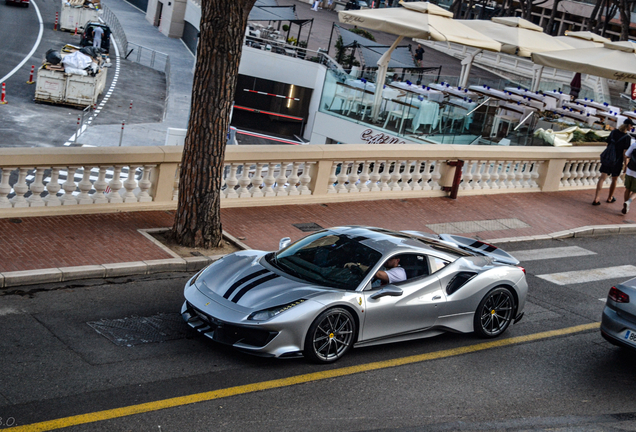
141,32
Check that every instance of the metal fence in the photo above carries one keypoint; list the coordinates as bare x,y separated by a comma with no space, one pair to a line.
137,53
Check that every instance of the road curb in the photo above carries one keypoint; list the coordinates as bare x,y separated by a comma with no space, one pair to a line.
192,264
586,231
135,268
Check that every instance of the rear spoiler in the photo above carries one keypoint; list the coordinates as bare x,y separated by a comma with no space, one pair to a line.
469,244
481,248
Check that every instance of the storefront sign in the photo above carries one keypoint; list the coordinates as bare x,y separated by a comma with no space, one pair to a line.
379,138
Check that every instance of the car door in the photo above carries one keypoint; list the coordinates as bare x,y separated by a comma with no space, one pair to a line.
422,300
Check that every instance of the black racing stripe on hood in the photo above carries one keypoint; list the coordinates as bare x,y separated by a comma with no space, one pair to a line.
240,282
256,283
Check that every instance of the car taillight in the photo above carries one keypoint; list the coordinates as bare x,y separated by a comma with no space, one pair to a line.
618,296
522,269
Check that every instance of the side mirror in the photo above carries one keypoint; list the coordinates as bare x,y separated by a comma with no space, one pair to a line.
389,290
283,243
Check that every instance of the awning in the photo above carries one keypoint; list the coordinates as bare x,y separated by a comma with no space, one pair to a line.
272,13
517,37
401,57
616,60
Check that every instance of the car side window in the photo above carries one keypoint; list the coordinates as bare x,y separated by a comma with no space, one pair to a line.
437,264
415,265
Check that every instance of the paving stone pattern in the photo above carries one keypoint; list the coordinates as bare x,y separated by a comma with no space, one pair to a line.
64,241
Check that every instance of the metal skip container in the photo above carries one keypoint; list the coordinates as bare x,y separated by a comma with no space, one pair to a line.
69,89
73,16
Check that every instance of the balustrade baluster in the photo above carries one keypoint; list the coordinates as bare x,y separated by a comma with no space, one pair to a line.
244,182
566,174
580,174
333,178
427,175
374,177
20,189
504,175
69,186
5,187
485,174
85,187
294,179
494,175
53,187
518,171
343,176
534,174
395,175
37,187
416,176
257,181
405,183
145,184
353,177
130,185
269,181
467,176
100,186
115,185
231,181
281,180
587,180
305,178
436,175
385,176
477,177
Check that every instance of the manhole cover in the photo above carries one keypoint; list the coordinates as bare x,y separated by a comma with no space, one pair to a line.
308,227
139,330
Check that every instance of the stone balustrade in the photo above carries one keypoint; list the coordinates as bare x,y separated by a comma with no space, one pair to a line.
51,181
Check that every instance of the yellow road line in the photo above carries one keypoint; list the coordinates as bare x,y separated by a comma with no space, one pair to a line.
284,382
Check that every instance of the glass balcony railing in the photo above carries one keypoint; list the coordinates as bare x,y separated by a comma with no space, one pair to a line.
436,111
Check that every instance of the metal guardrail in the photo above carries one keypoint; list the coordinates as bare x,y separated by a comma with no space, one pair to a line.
115,27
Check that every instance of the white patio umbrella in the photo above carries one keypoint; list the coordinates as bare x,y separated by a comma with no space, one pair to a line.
615,60
583,39
519,37
421,20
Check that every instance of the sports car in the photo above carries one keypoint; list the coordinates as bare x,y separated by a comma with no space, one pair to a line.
320,296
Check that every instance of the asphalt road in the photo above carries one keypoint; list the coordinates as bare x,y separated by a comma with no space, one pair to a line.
55,366
25,123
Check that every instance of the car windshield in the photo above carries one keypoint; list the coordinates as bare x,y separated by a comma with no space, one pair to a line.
321,258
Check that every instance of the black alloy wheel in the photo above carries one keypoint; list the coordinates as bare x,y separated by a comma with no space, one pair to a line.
330,336
494,313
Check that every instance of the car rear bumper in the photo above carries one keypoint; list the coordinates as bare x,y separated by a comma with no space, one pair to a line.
613,327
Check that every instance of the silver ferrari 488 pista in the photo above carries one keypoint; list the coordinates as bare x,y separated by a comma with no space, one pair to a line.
321,296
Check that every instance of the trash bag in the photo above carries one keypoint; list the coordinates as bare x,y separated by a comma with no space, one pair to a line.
93,52
53,56
77,60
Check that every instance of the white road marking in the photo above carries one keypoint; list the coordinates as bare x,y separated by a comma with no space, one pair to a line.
582,276
550,253
35,46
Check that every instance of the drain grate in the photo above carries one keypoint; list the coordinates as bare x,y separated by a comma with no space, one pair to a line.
132,331
308,227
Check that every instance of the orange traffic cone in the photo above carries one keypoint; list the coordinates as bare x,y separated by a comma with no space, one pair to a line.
4,92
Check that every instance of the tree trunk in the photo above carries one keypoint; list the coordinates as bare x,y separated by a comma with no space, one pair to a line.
625,14
197,222
548,28
599,20
456,8
594,15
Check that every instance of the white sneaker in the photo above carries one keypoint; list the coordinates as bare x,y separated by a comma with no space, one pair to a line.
625,207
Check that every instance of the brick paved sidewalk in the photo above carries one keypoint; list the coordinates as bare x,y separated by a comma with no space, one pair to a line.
63,241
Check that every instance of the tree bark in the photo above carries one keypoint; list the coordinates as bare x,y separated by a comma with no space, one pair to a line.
594,15
625,14
548,28
197,222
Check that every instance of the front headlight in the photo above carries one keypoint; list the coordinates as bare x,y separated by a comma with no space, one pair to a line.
266,314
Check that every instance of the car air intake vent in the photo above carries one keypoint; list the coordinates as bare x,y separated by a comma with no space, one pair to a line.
458,281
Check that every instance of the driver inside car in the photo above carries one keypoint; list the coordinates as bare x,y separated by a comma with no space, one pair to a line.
392,272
